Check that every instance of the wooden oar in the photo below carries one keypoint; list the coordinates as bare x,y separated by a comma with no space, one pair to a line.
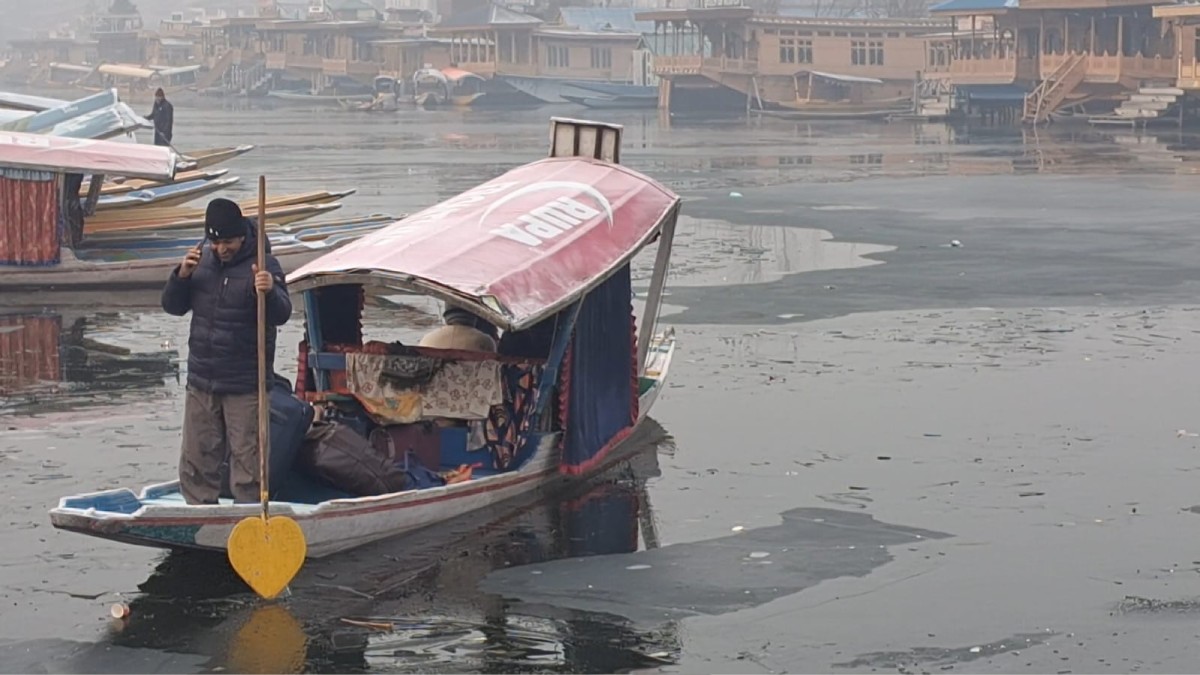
268,551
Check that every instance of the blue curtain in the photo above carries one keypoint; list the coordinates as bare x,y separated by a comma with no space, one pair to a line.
600,388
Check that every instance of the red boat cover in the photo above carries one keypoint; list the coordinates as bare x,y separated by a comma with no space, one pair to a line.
522,244
76,155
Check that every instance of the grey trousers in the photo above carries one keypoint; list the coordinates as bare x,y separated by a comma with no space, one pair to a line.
212,425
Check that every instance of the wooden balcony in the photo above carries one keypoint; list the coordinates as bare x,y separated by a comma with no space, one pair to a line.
678,65
283,61
1189,75
1099,69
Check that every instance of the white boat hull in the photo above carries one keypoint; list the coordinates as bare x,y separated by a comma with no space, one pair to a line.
152,272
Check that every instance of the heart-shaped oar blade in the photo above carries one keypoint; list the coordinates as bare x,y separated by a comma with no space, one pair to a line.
267,554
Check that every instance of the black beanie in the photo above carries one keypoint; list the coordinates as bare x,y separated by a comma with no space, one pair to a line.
223,220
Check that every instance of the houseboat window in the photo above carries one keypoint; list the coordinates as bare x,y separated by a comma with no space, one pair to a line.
822,33
866,53
858,35
893,34
841,33
601,58
558,57
771,31
796,51
875,35
787,32
804,33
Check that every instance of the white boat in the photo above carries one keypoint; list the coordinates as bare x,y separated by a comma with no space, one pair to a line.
467,252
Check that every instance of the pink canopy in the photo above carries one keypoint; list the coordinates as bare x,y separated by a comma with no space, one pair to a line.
516,248
58,154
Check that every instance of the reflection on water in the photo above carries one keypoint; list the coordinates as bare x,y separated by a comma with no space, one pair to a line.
413,604
56,361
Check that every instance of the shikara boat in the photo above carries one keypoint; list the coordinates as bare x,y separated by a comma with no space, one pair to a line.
165,195
282,210
124,185
202,159
33,254
319,99
543,250
97,117
25,102
603,102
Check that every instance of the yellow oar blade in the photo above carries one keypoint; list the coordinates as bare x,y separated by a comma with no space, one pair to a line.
267,554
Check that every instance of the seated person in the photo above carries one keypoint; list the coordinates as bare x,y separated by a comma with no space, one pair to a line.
463,330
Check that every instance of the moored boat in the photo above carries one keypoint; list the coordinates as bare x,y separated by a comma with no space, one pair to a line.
202,159
603,102
42,242
543,253
319,99
123,185
282,210
166,195
144,263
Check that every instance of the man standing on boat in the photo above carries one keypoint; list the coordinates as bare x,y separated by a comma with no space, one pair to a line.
163,116
218,285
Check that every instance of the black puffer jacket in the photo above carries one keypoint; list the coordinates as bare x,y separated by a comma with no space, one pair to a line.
223,344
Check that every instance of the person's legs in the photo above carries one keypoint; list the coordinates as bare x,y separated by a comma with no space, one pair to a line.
203,448
241,431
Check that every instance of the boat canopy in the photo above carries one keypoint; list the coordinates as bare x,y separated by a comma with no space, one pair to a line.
514,250
72,68
123,70
835,77
70,155
180,70
458,74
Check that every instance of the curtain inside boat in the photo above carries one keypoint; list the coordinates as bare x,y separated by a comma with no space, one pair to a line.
29,217
599,380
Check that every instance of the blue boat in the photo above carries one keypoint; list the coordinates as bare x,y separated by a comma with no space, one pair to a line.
164,195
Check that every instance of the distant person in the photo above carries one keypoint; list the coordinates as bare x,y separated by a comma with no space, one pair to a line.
218,284
163,116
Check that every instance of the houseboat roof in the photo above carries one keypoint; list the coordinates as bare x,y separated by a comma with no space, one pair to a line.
961,6
515,249
74,155
589,35
747,14
1180,10
492,15
604,19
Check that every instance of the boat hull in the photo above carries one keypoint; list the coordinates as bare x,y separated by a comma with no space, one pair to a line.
552,89
614,102
320,99
158,517
150,259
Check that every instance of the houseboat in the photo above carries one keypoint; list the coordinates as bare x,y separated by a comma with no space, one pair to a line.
545,62
798,66
1033,59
